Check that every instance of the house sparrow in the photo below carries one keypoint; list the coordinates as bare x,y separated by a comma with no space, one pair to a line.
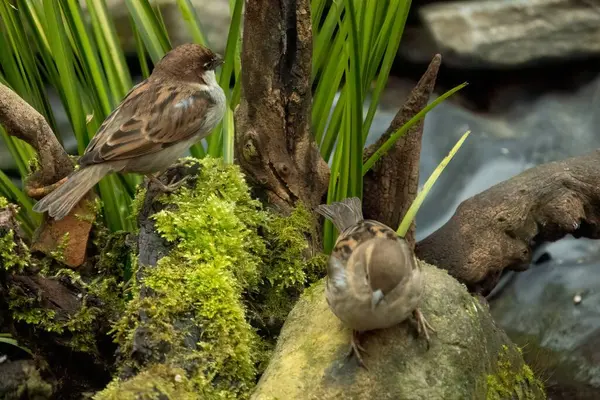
158,120
373,278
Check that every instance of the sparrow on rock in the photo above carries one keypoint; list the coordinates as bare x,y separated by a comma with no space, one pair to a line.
158,120
373,278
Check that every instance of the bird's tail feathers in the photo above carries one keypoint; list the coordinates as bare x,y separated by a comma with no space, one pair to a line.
60,202
343,214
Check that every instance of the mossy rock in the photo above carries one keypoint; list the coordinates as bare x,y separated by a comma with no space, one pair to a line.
469,358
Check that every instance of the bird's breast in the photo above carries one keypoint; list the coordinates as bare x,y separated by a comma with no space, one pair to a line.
354,307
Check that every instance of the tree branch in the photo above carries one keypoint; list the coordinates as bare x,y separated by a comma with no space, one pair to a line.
273,143
23,121
499,228
391,185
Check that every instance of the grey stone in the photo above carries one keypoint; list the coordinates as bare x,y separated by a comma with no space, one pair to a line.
552,310
468,358
509,33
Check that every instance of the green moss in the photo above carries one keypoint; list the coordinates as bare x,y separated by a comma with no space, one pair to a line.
232,264
160,382
513,379
101,300
32,388
14,254
59,253
137,203
92,210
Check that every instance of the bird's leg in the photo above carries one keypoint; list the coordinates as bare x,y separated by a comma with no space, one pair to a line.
171,187
356,348
422,325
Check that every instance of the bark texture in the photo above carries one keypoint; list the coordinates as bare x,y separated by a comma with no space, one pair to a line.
273,143
498,228
22,121
392,183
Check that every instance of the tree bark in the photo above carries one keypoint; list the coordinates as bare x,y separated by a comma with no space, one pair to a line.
499,228
273,142
391,185
22,121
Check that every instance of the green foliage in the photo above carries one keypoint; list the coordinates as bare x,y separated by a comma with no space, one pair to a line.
14,253
355,44
101,300
228,254
83,61
159,382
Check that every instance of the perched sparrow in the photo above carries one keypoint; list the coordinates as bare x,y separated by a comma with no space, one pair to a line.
157,121
373,278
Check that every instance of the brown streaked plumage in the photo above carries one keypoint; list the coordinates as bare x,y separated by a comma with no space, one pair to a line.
156,122
373,278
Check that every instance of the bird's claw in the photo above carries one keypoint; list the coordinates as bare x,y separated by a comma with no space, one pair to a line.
356,349
172,186
423,325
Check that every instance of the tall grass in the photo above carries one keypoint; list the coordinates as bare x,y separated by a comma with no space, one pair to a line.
53,42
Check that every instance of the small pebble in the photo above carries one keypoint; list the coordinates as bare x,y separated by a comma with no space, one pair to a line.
178,378
577,299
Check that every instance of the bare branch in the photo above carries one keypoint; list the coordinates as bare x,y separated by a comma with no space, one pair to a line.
498,228
391,185
22,121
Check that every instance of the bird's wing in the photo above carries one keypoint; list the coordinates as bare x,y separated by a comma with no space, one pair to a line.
151,117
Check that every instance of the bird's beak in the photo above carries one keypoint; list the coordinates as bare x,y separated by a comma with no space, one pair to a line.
218,61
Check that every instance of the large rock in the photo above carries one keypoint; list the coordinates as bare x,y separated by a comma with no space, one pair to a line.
502,33
469,358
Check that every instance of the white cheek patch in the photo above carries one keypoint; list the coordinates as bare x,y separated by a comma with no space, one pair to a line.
185,103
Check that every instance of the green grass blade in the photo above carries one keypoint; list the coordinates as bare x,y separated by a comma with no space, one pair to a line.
150,28
326,90
191,20
355,117
216,141
229,136
7,339
65,62
140,50
397,29
326,40
380,152
416,204
90,62
333,129
29,219
111,54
